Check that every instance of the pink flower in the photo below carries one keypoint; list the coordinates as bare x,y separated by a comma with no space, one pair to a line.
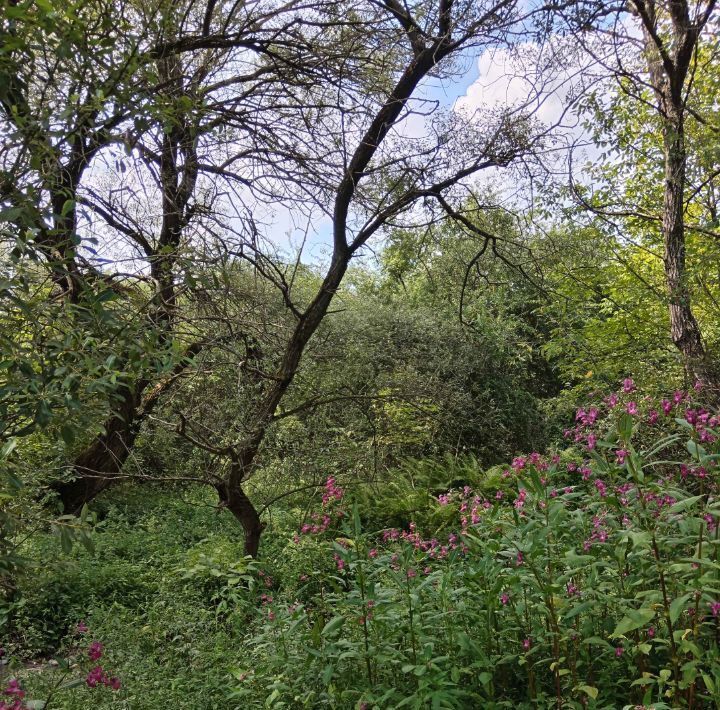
651,632
94,677
520,500
372,554
653,416
526,644
612,400
519,559
715,608
518,463
14,688
504,598
591,441
499,495
81,628
619,651
628,385
95,651
620,456
631,408
411,573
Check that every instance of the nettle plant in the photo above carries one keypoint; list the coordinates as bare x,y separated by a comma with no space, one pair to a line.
588,583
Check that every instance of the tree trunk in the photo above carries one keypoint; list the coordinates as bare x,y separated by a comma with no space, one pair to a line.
96,468
244,511
668,63
684,328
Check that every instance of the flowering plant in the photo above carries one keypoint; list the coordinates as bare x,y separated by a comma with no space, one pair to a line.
588,578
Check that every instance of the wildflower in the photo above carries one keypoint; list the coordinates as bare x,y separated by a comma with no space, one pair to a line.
651,632
411,573
14,688
572,590
504,598
499,495
619,651
519,559
373,553
94,677
666,406
332,492
526,644
518,463
620,456
715,608
612,400
631,408
81,628
95,651
628,385
591,441
653,416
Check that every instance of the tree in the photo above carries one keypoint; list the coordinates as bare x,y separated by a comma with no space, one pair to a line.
659,68
116,117
370,178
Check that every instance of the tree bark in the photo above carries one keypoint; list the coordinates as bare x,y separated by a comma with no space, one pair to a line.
97,467
668,65
684,328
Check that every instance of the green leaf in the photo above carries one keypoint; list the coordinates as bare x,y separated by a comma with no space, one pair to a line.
696,451
333,625
634,619
625,427
677,606
589,690
684,504
67,432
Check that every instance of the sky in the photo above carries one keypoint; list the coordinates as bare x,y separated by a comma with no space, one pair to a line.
490,80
